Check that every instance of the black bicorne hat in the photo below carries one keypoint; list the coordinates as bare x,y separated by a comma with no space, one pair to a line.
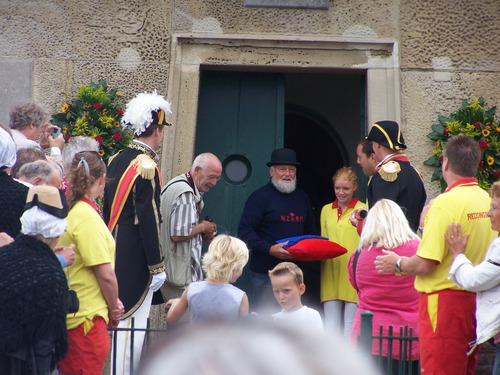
388,134
49,199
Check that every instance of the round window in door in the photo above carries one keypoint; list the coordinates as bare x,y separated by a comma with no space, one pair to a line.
236,169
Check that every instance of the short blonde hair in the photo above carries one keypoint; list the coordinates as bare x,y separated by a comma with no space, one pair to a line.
386,226
346,173
290,268
226,255
495,190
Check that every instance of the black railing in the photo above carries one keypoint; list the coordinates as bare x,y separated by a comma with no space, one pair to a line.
148,336
404,341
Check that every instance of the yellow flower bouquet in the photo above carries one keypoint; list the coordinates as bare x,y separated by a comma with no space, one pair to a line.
475,121
94,113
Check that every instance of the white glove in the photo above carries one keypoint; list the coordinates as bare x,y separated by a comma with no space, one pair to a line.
158,281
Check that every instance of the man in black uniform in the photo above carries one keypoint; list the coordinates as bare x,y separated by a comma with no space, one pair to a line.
395,179
132,212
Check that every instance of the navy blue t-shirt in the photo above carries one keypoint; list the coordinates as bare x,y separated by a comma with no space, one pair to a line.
270,215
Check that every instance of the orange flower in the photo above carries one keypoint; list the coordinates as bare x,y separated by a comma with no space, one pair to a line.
65,108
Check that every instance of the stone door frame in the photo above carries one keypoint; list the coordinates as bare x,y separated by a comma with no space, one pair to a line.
189,52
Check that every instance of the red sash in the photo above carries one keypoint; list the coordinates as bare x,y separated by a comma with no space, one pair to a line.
122,192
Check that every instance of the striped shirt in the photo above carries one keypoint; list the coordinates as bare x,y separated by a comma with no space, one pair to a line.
184,216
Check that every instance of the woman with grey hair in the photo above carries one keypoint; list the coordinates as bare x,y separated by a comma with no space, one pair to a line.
33,288
74,146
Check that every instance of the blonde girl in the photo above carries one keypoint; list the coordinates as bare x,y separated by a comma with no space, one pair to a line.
337,294
215,299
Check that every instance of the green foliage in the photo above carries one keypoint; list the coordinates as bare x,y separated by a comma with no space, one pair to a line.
95,113
474,121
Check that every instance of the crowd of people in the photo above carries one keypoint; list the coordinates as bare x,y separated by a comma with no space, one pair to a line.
86,246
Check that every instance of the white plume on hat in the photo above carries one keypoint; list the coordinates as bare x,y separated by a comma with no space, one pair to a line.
138,112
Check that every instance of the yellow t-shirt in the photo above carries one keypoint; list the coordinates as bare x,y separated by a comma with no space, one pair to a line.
467,204
94,245
335,283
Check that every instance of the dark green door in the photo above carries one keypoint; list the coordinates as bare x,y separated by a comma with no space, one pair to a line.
241,120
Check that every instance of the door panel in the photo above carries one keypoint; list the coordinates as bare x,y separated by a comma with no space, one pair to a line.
240,119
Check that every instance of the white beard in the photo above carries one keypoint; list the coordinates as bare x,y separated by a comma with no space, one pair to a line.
284,187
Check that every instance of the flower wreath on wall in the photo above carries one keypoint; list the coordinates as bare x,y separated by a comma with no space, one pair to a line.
94,113
475,121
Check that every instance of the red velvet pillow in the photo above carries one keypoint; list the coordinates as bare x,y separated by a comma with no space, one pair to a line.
316,249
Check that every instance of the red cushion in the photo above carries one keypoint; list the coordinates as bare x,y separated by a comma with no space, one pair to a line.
316,249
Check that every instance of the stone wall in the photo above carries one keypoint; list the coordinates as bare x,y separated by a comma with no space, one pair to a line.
446,51
443,52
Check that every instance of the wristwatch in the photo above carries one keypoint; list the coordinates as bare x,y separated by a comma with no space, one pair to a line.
398,264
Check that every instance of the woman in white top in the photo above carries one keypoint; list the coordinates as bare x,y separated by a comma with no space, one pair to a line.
483,278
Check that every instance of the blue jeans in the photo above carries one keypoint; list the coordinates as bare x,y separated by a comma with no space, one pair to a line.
262,301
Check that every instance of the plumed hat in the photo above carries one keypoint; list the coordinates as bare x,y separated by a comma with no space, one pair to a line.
283,156
388,134
144,110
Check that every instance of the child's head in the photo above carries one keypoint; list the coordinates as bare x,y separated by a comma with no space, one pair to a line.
225,259
344,185
287,280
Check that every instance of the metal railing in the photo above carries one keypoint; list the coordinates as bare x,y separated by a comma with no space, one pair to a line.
404,342
148,338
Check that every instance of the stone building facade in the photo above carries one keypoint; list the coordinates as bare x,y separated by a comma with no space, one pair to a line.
340,64
419,58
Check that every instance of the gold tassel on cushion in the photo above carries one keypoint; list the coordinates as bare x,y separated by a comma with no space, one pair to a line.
389,171
146,166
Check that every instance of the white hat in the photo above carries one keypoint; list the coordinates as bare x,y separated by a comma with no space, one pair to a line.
144,110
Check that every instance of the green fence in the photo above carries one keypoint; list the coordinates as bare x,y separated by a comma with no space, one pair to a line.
150,334
403,340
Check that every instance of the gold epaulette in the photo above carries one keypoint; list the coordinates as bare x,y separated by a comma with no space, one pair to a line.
146,166
389,171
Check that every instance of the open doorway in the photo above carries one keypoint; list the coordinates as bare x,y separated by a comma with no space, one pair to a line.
247,114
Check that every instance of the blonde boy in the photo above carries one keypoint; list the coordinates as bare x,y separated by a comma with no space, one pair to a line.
288,285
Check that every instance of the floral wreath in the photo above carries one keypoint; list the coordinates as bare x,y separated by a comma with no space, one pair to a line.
93,113
475,121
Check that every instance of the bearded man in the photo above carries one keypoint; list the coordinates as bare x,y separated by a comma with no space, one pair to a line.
276,210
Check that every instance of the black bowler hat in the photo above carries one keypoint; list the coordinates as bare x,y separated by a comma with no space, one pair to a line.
388,134
283,156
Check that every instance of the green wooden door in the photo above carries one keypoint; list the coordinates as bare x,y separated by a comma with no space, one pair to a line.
241,120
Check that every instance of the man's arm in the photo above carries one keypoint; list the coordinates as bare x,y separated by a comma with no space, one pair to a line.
183,223
203,227
415,265
148,215
253,214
